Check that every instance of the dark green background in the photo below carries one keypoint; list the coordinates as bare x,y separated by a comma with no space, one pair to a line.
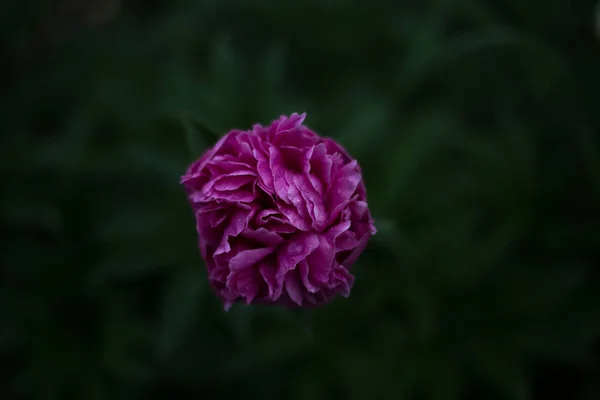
476,126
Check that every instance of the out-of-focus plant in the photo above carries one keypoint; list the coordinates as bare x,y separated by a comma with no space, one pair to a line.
476,129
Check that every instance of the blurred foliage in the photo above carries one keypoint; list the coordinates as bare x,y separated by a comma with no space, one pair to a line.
476,125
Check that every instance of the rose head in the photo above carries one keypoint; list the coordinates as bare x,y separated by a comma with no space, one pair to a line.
281,215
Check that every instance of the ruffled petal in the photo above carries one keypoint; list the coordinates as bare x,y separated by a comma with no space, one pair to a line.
281,215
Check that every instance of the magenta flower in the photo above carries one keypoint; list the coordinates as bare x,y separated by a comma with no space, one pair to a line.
281,215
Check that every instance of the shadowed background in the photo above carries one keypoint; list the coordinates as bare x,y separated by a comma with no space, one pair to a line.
476,127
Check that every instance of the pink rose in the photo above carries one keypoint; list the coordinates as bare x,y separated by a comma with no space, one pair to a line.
281,215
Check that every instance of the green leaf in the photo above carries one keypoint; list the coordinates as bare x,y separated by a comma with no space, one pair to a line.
240,318
270,98
502,368
225,64
389,235
124,334
31,213
445,379
272,350
361,375
180,306
132,263
309,384
367,116
198,136
417,144
273,68
143,222
429,56
591,154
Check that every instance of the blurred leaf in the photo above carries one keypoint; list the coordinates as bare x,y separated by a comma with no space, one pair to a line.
389,235
274,66
420,140
555,284
133,161
123,335
271,350
223,96
27,212
362,376
591,154
503,369
597,20
67,152
273,75
9,335
308,385
445,380
241,318
429,57
133,223
180,307
226,68
199,137
592,391
366,122
131,370
130,264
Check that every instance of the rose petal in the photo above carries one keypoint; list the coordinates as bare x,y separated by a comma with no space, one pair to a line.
268,271
293,288
263,236
292,253
320,262
248,258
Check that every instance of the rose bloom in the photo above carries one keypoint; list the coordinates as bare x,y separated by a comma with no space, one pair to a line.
281,215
